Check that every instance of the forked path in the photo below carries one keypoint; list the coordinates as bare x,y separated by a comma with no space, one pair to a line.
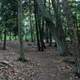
47,65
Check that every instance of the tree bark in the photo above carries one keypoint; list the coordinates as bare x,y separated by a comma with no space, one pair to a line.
20,33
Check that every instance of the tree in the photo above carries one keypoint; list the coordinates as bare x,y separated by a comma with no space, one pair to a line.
74,37
20,31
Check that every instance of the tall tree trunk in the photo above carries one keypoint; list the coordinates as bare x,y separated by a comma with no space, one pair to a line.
60,37
36,22
30,18
41,27
4,43
20,29
50,38
47,34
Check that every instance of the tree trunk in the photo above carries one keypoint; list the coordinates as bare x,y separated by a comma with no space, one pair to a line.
4,43
36,22
73,31
60,37
20,29
30,18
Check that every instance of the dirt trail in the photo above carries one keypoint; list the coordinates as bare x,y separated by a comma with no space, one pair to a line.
47,65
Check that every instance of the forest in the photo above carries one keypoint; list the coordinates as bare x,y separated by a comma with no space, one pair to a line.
39,39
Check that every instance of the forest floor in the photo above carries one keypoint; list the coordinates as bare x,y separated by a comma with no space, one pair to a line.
47,65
